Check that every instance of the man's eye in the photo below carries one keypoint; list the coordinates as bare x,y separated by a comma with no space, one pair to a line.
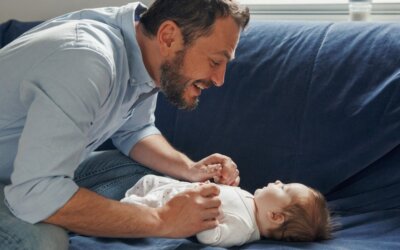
214,63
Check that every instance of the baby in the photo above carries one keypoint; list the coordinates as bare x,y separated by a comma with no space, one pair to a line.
289,212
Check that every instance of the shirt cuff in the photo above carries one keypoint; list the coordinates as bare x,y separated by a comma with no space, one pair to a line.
35,202
124,142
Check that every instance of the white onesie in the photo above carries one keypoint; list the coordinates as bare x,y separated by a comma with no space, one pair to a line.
237,224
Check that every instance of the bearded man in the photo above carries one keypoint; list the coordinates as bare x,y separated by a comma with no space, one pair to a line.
95,74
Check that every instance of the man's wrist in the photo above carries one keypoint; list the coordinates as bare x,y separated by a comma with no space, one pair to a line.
163,229
186,173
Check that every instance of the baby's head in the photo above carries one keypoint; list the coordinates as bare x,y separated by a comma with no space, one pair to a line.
292,212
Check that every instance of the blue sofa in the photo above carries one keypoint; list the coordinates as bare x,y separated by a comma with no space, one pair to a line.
310,102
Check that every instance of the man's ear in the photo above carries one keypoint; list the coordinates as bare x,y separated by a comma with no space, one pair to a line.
169,38
276,217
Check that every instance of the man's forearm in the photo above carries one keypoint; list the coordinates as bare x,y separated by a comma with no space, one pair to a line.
155,152
91,214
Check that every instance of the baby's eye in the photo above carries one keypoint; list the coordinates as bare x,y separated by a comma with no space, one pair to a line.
282,187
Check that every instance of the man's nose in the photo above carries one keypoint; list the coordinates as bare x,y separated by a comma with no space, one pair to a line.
218,76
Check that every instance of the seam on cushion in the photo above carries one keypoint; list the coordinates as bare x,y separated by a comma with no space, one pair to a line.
299,150
392,98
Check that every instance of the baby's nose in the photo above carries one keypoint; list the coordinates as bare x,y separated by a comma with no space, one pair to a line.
278,182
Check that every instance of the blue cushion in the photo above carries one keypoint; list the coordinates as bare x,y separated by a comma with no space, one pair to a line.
12,29
369,231
317,103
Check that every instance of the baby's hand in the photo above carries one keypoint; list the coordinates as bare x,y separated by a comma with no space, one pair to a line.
202,171
212,168
229,174
219,167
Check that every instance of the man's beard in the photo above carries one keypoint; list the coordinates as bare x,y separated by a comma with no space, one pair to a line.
173,83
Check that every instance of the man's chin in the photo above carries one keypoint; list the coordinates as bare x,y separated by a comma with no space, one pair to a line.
193,105
181,102
189,106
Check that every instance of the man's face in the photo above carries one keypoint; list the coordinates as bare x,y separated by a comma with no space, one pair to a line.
174,83
199,66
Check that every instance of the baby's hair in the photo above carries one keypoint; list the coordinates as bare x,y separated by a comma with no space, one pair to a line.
306,219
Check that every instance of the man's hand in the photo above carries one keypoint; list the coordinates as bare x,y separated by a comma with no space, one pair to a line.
219,167
190,212
155,152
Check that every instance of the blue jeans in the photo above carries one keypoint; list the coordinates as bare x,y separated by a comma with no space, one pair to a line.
108,173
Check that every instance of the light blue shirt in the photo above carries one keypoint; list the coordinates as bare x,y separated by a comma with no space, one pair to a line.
65,87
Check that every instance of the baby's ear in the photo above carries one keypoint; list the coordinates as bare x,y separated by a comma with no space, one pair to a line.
276,217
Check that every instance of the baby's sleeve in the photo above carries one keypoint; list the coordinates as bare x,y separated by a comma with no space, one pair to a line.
232,231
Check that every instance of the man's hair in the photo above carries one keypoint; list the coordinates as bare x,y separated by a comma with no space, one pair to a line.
306,219
195,18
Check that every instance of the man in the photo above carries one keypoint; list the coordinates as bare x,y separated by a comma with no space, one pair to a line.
74,81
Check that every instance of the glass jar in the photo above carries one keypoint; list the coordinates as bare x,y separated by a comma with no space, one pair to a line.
360,10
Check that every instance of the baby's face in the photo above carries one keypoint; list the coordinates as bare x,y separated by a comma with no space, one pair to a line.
277,195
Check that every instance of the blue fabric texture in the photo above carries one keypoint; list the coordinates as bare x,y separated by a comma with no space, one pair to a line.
13,29
109,173
18,234
312,102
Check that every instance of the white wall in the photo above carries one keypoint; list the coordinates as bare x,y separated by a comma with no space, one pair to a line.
36,10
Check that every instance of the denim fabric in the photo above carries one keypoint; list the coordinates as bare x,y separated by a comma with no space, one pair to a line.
17,234
109,173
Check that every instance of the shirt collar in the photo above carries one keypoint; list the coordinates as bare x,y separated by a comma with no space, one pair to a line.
137,71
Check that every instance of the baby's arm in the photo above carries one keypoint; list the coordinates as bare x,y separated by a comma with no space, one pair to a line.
231,231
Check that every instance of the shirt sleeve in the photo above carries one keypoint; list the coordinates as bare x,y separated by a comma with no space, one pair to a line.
61,97
138,126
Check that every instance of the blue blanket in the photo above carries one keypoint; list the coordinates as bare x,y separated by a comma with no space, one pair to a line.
312,102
